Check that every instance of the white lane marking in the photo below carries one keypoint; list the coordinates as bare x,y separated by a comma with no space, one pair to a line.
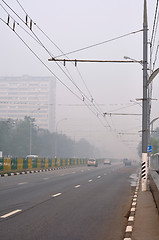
77,186
99,177
73,172
11,213
22,183
45,178
131,219
133,209
134,204
56,195
90,180
129,229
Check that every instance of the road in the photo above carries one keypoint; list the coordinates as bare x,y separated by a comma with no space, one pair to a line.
80,203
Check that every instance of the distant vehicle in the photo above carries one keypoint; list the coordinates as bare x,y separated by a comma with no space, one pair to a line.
32,156
107,162
92,162
127,162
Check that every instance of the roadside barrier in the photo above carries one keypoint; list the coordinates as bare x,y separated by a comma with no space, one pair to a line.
154,186
18,164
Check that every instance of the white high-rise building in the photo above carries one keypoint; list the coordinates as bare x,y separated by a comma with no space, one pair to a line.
29,96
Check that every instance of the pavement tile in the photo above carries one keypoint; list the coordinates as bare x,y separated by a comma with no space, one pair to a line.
146,224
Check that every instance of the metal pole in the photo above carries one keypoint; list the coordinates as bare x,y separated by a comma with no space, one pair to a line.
63,119
144,168
30,136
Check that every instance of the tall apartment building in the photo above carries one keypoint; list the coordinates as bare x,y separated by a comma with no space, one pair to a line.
29,96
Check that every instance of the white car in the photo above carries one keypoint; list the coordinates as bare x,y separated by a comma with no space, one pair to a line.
108,162
92,162
32,156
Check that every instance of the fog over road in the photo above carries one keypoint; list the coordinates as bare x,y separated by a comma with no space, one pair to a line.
79,203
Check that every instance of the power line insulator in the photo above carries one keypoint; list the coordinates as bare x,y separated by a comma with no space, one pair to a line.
31,23
14,26
8,20
26,20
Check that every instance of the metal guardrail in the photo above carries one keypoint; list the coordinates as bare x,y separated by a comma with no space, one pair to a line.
154,186
12,164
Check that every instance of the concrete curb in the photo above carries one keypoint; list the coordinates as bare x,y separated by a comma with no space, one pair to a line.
131,218
32,171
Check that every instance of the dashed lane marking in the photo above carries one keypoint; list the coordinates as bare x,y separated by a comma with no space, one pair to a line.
131,219
11,213
56,195
22,183
77,186
90,180
129,229
99,177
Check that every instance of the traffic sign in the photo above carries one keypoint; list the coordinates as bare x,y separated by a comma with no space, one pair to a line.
149,148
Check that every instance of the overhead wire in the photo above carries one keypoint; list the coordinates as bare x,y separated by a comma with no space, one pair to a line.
99,111
97,114
97,44
153,37
84,98
40,59
65,54
92,99
15,22
35,53
154,22
155,58
50,54
152,47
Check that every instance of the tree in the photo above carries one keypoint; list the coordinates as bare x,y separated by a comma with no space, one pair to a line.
16,135
155,141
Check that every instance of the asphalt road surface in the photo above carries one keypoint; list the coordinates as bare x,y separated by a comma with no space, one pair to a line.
80,203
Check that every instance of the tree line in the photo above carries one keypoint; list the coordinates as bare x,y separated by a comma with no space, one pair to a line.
154,142
19,138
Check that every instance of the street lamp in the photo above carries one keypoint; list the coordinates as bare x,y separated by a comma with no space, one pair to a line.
129,58
30,138
145,105
63,119
57,124
151,123
136,102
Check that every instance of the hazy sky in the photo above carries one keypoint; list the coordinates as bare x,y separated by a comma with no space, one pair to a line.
72,25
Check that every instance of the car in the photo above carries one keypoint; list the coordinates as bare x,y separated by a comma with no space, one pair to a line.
107,162
126,162
32,157
92,162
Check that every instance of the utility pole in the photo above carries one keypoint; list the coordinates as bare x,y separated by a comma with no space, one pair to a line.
144,167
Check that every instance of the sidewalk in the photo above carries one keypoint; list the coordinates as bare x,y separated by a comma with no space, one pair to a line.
146,220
